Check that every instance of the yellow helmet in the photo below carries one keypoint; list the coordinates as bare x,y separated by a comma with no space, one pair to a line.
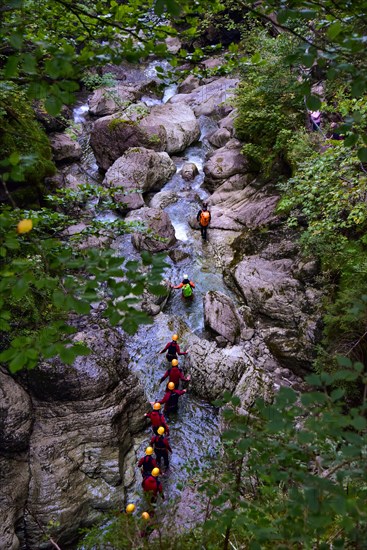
155,472
145,515
171,386
175,337
156,406
149,451
160,430
130,508
174,362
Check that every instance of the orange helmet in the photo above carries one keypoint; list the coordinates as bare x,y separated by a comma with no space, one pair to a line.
155,472
145,515
175,337
156,406
149,451
171,386
160,430
174,362
130,508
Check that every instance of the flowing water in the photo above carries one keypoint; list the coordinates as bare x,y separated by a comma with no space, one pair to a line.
195,429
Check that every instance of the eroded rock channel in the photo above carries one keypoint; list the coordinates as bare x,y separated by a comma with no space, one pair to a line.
70,436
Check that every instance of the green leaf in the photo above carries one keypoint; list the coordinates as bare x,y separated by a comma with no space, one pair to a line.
313,103
53,105
362,154
334,30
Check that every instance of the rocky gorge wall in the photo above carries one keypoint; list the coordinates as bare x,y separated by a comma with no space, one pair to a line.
65,432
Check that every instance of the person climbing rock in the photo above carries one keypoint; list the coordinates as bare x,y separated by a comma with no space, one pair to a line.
161,447
173,349
157,419
187,287
315,118
174,374
170,398
204,218
152,487
147,462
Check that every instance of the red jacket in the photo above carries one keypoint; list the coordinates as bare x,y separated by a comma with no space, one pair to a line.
157,419
152,485
160,443
175,375
170,399
148,463
178,351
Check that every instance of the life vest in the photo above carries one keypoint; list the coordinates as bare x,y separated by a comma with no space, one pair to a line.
148,464
172,351
187,290
172,400
204,218
159,444
174,375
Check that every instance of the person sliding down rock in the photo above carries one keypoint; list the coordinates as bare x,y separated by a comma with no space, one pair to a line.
147,462
174,374
170,398
204,218
157,419
152,487
173,349
161,447
187,288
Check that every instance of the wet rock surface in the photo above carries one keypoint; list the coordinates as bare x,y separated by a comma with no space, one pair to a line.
67,432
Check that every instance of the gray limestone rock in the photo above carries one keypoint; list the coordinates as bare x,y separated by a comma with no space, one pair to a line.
209,98
138,171
113,135
189,171
224,163
179,122
161,235
220,316
64,148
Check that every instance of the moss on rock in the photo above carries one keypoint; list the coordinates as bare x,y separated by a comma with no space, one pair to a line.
22,137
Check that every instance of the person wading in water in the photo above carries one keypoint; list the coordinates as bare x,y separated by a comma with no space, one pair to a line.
204,218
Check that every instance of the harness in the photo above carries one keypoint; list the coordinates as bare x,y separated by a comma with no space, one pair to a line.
147,464
172,351
173,400
159,444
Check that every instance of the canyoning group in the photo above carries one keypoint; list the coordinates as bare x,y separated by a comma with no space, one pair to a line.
159,445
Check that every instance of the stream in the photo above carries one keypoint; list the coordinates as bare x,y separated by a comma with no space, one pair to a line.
195,429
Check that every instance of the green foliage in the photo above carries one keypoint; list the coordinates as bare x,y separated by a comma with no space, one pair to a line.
93,81
289,474
330,38
270,104
25,157
44,280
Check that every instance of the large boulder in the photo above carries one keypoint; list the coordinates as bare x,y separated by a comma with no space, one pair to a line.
224,163
179,122
111,136
209,99
86,415
220,316
220,137
158,233
287,313
138,171
106,101
189,171
238,202
64,148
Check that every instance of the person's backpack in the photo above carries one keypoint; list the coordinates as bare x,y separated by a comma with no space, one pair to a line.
204,218
187,290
